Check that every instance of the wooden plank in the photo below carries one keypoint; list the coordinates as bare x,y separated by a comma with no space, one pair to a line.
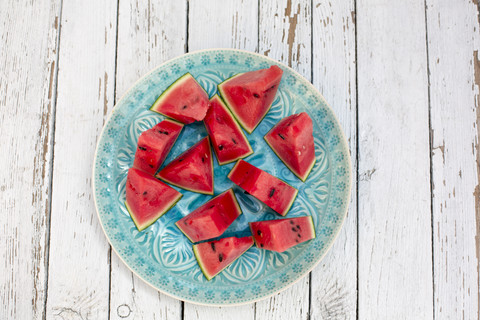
230,25
334,281
78,286
285,35
149,33
28,59
453,44
395,244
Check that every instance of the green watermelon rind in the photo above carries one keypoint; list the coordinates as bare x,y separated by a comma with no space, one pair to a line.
227,103
236,205
235,121
291,201
156,217
307,173
210,277
190,189
312,230
167,91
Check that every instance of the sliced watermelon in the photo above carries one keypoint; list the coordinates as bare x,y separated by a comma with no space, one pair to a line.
212,218
147,198
292,140
272,191
184,100
154,145
250,95
228,140
192,170
280,235
214,256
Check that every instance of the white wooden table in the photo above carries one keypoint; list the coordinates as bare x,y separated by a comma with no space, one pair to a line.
402,76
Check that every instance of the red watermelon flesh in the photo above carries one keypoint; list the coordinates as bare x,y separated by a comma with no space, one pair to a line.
212,218
292,140
250,95
154,145
272,191
192,170
185,100
228,140
147,198
214,256
282,234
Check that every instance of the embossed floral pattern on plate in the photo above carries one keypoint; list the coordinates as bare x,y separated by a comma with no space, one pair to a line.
161,255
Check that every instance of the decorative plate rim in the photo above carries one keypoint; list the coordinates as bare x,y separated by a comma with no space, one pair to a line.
348,179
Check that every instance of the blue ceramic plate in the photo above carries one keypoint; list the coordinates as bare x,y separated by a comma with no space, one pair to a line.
161,255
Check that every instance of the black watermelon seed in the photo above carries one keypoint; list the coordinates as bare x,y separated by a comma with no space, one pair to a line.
220,147
256,95
213,247
272,191
283,138
145,193
296,240
246,192
203,159
180,160
211,207
298,227
291,222
272,87
299,235
151,166
142,148
261,245
259,232
294,230
234,141
184,107
220,257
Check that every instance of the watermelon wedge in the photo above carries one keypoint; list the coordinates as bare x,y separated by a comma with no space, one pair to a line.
250,95
154,145
147,198
184,100
275,193
228,140
192,170
282,234
292,140
214,256
211,219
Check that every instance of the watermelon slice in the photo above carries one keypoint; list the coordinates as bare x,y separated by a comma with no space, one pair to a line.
184,100
192,170
250,95
212,218
154,145
147,198
272,191
228,140
214,256
280,235
292,140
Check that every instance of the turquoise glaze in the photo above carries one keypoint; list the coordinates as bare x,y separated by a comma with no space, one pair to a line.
161,255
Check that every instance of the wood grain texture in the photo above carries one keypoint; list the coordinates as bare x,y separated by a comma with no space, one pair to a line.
334,281
28,57
395,247
79,260
149,33
453,44
285,35
230,25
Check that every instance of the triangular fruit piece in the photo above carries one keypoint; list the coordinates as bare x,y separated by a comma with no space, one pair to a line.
212,218
192,170
184,100
214,256
250,95
282,234
292,140
228,140
147,198
275,193
154,145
